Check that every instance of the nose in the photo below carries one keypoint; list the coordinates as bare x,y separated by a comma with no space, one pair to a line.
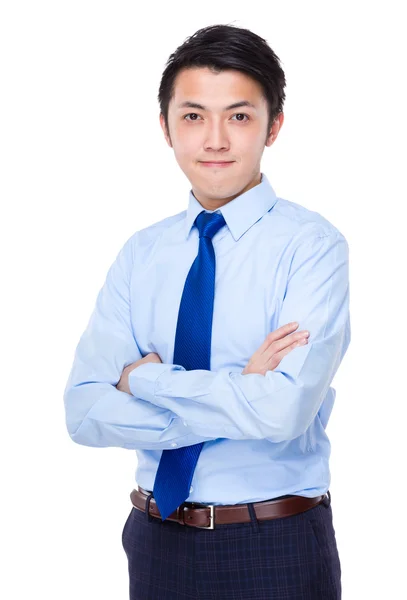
216,138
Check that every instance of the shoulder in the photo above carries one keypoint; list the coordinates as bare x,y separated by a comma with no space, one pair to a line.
303,223
155,230
144,239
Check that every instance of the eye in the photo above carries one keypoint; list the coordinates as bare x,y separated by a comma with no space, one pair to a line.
242,115
235,115
189,115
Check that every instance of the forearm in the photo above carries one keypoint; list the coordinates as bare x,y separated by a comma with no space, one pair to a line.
99,415
96,412
282,404
278,406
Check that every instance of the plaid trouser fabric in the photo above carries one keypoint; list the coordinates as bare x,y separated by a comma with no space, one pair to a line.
290,558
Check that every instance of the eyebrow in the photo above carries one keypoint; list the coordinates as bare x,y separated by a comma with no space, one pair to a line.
189,104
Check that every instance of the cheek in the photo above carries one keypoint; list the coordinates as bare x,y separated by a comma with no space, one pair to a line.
186,145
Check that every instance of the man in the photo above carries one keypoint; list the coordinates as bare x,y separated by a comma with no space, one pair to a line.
211,350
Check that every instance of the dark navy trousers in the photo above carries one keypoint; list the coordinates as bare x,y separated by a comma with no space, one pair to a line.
290,558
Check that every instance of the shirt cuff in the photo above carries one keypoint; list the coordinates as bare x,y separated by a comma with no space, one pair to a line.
143,379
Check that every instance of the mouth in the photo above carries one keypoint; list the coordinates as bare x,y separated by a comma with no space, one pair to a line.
218,163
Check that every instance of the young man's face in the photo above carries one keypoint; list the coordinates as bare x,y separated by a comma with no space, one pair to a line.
213,133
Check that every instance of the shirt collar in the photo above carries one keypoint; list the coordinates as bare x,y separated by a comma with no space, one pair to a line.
241,212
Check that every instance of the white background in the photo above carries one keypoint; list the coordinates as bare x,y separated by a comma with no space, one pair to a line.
81,148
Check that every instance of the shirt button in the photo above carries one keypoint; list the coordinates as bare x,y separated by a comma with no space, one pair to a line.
191,489
174,444
185,423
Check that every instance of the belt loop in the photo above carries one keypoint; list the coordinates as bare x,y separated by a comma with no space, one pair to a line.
148,500
253,518
327,500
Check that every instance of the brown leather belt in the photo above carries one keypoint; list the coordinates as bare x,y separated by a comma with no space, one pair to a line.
205,516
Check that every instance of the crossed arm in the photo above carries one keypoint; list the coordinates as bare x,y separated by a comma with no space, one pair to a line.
171,406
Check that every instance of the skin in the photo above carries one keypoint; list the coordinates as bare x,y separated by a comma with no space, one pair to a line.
239,135
277,344
197,135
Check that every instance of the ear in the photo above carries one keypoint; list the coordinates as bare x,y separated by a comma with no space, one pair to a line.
277,124
166,133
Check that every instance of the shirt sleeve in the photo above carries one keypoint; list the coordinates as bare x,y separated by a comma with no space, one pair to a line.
282,404
97,413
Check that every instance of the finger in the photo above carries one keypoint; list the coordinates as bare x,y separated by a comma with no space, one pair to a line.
275,335
287,341
277,358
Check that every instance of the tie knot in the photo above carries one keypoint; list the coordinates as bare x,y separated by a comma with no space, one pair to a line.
209,223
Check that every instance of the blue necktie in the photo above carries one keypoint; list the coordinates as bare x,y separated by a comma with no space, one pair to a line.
192,350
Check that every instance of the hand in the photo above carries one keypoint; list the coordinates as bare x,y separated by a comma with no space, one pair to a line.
123,384
278,343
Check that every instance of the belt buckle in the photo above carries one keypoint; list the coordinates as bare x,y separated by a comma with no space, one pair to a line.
211,515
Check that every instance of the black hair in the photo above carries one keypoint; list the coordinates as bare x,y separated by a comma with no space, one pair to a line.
221,47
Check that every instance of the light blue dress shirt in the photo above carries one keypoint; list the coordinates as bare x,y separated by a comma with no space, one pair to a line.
276,262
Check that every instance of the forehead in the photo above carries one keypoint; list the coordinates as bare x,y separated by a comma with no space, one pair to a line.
209,88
